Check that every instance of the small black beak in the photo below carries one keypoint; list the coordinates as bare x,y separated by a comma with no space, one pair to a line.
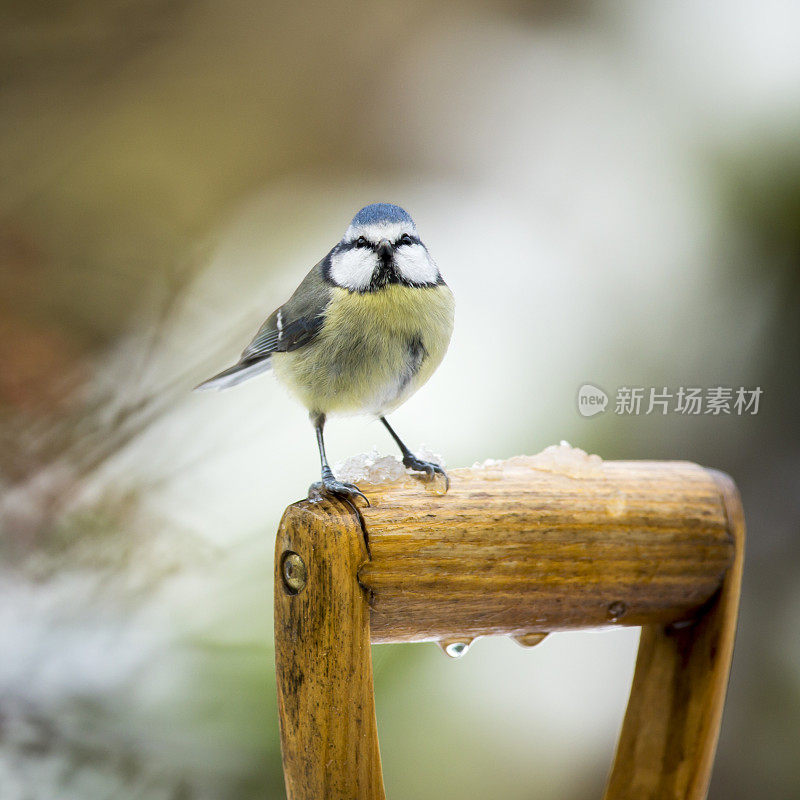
385,249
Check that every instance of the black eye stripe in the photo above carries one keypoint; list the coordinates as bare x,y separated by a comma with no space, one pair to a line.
407,239
344,246
362,242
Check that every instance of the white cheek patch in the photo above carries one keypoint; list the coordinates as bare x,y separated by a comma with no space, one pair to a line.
415,265
352,269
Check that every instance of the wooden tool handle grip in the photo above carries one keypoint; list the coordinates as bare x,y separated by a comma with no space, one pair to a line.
326,703
538,544
524,546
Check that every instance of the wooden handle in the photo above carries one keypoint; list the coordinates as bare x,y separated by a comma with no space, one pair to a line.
530,545
669,736
326,705
522,547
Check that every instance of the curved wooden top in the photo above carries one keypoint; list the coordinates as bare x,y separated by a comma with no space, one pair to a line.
537,544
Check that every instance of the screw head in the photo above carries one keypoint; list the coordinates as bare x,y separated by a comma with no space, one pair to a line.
616,610
294,572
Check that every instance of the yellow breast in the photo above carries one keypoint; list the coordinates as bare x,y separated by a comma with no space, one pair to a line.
363,359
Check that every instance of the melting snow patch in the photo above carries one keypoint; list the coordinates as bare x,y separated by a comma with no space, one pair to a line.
375,468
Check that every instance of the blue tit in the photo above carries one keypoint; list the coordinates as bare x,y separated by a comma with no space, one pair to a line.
364,330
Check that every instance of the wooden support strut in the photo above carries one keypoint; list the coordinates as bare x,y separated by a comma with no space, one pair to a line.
521,547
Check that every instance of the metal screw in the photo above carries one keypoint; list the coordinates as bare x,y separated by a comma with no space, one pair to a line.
294,572
616,610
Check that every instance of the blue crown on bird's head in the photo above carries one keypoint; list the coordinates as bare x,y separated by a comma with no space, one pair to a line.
378,213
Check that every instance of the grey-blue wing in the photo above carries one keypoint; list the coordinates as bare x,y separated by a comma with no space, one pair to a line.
281,334
293,325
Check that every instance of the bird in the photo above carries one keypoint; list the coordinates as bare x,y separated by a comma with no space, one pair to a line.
366,328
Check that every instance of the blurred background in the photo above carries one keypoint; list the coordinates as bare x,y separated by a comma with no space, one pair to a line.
612,190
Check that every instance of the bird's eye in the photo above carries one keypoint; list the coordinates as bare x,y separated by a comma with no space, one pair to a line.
406,239
362,242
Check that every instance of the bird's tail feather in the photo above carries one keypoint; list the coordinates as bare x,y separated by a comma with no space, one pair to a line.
236,374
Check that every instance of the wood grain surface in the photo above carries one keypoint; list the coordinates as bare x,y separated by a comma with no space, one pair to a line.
522,547
533,545
669,736
326,705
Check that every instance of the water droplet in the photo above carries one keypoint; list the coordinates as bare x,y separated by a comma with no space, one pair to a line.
529,639
616,610
455,648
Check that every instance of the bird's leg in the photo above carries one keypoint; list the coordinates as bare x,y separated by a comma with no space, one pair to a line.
329,483
412,462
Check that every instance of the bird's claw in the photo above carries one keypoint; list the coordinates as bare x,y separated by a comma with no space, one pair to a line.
430,469
329,485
